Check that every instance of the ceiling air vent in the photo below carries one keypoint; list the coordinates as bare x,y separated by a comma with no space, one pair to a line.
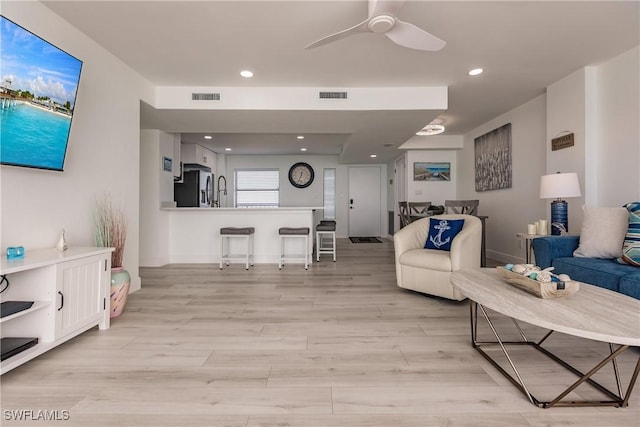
205,97
333,95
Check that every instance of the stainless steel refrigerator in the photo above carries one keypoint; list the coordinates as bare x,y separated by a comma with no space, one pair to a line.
195,190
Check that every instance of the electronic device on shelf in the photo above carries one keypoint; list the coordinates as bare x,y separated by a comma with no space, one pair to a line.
8,308
12,346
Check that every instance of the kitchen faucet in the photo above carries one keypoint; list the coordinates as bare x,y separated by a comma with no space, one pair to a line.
223,190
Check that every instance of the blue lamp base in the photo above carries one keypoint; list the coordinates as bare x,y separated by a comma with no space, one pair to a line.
559,217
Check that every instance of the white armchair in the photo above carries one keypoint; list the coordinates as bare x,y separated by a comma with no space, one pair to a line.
428,270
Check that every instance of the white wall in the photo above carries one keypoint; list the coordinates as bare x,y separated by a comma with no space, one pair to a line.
103,152
601,106
566,112
618,135
156,187
511,209
435,192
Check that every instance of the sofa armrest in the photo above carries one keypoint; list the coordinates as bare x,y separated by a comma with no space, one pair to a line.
547,248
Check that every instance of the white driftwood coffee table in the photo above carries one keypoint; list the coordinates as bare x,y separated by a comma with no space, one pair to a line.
592,312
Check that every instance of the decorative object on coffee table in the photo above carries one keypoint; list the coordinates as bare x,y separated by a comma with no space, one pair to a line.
541,288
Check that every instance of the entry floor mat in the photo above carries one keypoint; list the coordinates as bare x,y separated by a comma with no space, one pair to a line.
365,240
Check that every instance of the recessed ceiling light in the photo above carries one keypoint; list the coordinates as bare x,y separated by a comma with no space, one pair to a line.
227,149
300,136
303,149
208,137
246,74
373,155
430,130
475,71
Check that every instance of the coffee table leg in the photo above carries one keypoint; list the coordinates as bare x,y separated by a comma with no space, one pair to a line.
477,345
633,381
616,400
614,362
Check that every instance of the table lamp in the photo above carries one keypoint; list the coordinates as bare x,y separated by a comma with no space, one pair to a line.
556,186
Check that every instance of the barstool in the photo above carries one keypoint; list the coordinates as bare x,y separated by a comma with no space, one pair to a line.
326,239
297,232
227,233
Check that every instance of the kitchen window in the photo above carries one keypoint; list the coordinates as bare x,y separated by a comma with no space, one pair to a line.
257,188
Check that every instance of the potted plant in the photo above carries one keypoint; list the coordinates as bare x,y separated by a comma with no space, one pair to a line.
111,231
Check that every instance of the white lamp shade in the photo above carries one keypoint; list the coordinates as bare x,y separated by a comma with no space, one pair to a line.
559,185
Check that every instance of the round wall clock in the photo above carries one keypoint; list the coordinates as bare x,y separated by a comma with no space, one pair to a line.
301,175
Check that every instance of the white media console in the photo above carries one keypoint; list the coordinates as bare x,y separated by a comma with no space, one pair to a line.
70,291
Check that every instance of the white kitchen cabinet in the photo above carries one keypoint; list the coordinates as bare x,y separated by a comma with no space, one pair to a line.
199,155
70,291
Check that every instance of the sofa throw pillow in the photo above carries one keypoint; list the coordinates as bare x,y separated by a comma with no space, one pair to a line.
602,233
631,245
442,232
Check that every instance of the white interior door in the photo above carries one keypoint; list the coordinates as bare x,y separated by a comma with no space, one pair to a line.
365,202
400,188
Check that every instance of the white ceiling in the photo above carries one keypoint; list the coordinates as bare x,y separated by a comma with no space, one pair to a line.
523,45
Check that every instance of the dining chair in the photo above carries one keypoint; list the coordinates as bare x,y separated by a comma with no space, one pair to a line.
470,207
403,211
464,207
418,210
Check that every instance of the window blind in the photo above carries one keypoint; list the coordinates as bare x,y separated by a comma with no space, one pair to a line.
257,188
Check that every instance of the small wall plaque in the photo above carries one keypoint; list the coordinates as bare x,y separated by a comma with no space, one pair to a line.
564,141
166,164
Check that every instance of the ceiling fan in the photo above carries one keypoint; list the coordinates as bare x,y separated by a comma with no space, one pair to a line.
382,19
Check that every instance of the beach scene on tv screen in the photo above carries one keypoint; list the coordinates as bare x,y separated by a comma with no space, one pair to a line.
37,98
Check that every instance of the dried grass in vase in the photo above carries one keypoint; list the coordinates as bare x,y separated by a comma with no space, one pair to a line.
110,229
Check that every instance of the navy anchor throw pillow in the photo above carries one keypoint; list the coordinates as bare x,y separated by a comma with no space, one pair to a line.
442,232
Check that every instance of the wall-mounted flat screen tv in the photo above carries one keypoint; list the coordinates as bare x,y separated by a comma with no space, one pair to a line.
38,95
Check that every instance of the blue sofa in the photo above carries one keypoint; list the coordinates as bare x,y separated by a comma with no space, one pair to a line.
557,251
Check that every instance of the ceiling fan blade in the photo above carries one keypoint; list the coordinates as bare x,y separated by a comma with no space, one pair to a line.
361,27
408,35
385,7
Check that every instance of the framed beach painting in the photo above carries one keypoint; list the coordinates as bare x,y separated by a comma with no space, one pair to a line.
432,171
493,159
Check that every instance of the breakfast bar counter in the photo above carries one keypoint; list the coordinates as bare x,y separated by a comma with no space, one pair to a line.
194,233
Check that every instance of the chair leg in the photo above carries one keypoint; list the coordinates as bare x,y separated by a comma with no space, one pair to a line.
221,250
252,255
333,237
246,263
306,252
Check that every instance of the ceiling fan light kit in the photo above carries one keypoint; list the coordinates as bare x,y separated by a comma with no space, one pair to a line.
430,130
383,20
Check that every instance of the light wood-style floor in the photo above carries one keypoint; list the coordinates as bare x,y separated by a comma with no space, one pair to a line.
338,345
